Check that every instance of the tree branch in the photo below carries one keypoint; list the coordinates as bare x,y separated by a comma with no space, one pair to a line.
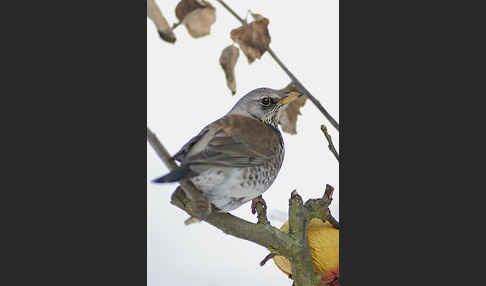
199,205
175,25
160,150
304,91
301,259
268,257
293,245
297,83
331,220
262,234
329,140
232,12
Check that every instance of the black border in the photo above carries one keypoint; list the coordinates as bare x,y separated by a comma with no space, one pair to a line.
77,205
405,176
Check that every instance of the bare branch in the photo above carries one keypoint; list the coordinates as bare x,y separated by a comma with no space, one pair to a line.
199,205
298,217
304,91
298,84
301,259
262,234
293,245
160,150
268,257
332,220
175,25
232,12
328,199
329,140
320,208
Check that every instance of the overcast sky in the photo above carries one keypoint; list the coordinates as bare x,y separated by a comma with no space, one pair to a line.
187,90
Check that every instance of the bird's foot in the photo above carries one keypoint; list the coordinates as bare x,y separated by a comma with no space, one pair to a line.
259,206
254,202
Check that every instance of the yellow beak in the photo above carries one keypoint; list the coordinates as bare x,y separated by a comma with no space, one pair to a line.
288,99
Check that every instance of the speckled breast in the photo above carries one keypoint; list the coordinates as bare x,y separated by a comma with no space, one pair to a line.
229,188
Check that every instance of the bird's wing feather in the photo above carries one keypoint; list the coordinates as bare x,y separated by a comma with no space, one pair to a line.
234,141
179,156
232,153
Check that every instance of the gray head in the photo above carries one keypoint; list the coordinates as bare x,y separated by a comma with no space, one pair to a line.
263,104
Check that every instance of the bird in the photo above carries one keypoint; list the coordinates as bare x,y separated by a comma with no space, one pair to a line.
236,158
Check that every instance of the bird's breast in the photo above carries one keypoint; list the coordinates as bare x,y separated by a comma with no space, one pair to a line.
228,188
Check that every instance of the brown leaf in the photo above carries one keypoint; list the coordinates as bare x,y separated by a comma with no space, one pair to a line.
228,60
257,17
198,22
185,7
154,14
197,16
288,116
253,38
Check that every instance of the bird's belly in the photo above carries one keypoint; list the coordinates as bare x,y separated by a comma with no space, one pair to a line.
228,188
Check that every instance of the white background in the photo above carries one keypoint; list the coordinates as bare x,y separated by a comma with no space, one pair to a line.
187,90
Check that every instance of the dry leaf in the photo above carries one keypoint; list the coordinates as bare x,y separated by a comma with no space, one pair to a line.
154,13
228,60
198,22
257,17
288,116
253,38
185,7
197,16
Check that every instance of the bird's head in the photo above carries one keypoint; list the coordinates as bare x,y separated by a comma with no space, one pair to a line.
264,104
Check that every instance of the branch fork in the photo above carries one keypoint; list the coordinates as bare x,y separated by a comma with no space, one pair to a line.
293,245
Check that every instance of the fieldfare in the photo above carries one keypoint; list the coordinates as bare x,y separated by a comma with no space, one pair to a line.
237,157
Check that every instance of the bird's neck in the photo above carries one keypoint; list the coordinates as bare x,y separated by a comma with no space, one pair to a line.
272,119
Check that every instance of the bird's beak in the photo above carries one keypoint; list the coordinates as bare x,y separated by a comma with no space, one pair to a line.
288,99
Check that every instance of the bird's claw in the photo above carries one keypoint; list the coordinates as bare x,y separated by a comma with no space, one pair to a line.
254,202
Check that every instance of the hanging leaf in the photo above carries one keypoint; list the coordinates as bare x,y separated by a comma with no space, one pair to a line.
288,116
228,60
197,16
253,38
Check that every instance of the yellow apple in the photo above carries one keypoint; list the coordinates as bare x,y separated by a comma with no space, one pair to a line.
324,247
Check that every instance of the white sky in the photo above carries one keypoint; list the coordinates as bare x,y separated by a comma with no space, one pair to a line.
187,90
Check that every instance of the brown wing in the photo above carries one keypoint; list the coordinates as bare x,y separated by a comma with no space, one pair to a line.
179,156
233,141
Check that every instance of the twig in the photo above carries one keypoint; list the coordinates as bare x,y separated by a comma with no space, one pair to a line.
268,257
232,12
175,25
199,205
293,245
298,84
328,199
328,193
329,140
304,91
160,150
332,220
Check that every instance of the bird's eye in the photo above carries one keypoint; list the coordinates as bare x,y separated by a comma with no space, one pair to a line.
265,101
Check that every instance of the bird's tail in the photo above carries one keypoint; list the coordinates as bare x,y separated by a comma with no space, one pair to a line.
177,174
